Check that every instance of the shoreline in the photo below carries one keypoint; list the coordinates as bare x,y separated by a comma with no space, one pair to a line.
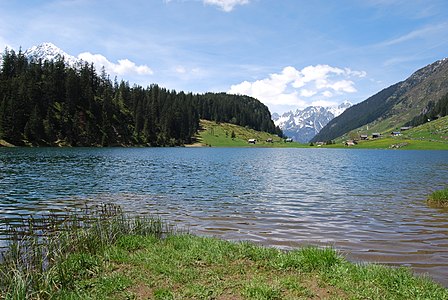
118,256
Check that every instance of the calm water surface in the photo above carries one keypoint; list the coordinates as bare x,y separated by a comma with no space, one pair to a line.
367,203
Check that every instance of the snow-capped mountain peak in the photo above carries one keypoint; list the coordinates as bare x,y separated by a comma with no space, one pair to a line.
336,111
50,52
303,125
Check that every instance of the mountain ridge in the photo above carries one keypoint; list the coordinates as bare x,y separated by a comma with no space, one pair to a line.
392,107
303,125
49,51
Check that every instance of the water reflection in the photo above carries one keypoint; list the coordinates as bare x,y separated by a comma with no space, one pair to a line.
370,204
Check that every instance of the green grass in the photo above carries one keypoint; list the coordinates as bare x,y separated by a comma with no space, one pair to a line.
220,135
436,131
388,142
121,257
439,198
191,267
430,136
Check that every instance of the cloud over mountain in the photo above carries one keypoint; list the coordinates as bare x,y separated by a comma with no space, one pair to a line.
123,67
299,88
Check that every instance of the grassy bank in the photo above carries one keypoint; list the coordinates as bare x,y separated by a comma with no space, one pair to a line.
120,257
439,198
402,143
51,256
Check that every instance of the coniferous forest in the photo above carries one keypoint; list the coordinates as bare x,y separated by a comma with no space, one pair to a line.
47,103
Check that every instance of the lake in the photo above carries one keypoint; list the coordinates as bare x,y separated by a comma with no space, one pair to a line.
370,204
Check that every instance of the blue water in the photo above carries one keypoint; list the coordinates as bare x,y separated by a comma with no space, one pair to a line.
370,204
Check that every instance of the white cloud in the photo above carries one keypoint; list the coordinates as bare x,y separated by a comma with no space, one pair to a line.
226,5
188,74
360,74
327,94
288,86
272,90
181,70
421,33
307,93
324,103
346,86
123,67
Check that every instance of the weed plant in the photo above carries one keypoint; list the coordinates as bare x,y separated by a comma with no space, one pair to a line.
49,253
439,198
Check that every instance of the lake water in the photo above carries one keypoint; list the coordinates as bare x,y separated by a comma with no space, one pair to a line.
370,204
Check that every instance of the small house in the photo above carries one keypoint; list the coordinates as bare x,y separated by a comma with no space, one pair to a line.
269,140
252,141
288,140
395,133
350,143
364,137
404,128
376,135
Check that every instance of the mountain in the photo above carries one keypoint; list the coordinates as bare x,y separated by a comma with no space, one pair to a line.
50,52
392,107
303,125
47,52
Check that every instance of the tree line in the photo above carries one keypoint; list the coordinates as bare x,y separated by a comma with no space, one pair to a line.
50,103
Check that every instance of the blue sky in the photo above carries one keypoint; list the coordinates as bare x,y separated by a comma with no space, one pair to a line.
287,53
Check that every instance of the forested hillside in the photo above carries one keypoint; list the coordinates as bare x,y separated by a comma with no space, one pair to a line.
49,103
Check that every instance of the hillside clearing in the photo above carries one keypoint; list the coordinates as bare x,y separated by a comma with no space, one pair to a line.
214,134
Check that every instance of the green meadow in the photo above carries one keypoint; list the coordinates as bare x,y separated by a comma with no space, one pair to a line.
229,135
429,136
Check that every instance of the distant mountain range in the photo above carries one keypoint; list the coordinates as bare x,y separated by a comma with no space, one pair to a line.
393,107
303,125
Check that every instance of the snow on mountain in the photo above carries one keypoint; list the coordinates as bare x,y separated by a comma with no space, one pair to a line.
337,110
303,125
48,51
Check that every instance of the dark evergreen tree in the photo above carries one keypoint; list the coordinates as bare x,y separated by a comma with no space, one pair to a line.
49,103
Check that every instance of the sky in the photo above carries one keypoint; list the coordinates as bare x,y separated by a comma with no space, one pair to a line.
289,54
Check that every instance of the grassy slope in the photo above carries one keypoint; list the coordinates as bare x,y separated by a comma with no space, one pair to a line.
219,135
430,136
